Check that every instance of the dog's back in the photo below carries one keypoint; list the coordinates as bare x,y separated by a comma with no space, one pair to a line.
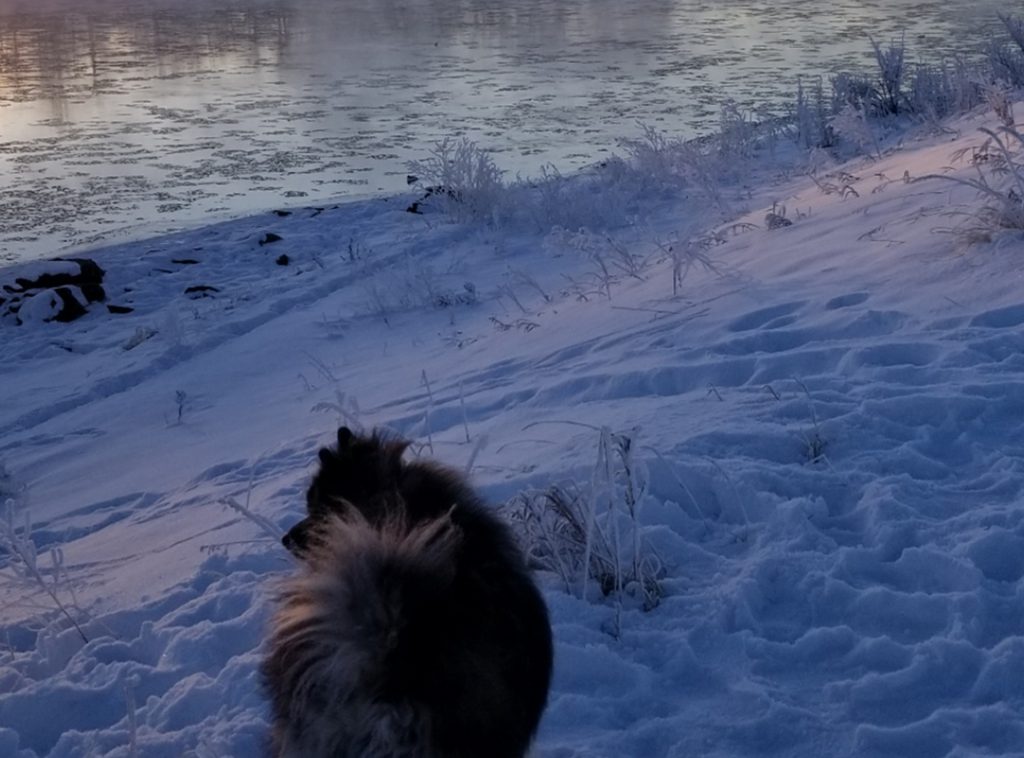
413,629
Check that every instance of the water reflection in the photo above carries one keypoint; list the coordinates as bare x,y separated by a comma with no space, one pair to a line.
73,55
122,114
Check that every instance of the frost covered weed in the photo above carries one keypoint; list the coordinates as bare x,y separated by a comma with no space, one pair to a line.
425,381
20,566
853,125
814,441
409,285
999,181
835,183
129,684
891,70
739,133
594,199
1015,28
776,217
669,164
463,180
687,255
1007,60
181,400
612,259
345,406
1006,63
936,92
266,525
999,98
810,116
590,535
654,157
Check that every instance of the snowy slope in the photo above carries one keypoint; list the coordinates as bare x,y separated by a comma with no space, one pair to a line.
827,421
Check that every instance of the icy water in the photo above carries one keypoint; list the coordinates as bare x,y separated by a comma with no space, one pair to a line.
122,119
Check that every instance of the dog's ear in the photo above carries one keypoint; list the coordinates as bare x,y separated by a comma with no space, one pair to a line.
346,441
345,438
392,457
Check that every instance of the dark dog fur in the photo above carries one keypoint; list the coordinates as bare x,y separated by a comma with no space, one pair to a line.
412,629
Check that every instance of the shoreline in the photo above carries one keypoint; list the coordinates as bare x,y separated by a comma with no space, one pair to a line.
58,200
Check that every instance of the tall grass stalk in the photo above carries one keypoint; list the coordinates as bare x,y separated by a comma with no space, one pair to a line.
19,545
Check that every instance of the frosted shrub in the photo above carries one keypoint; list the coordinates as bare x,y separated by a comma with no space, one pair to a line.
650,164
1015,28
961,84
669,163
1006,60
935,92
999,98
852,124
410,284
462,179
810,117
851,90
928,93
599,200
890,69
738,132
656,157
1006,63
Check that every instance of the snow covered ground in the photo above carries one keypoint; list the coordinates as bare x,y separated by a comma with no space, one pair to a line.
826,421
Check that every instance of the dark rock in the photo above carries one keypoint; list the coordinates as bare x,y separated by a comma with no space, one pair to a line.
119,309
91,272
201,290
88,273
63,293
282,214
269,238
282,260
72,307
93,293
184,261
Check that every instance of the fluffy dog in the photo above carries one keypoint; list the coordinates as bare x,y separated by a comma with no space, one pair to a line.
412,628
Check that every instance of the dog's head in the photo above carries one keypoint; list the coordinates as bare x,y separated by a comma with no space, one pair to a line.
360,472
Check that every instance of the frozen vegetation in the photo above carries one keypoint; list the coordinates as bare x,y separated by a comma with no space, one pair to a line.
753,404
